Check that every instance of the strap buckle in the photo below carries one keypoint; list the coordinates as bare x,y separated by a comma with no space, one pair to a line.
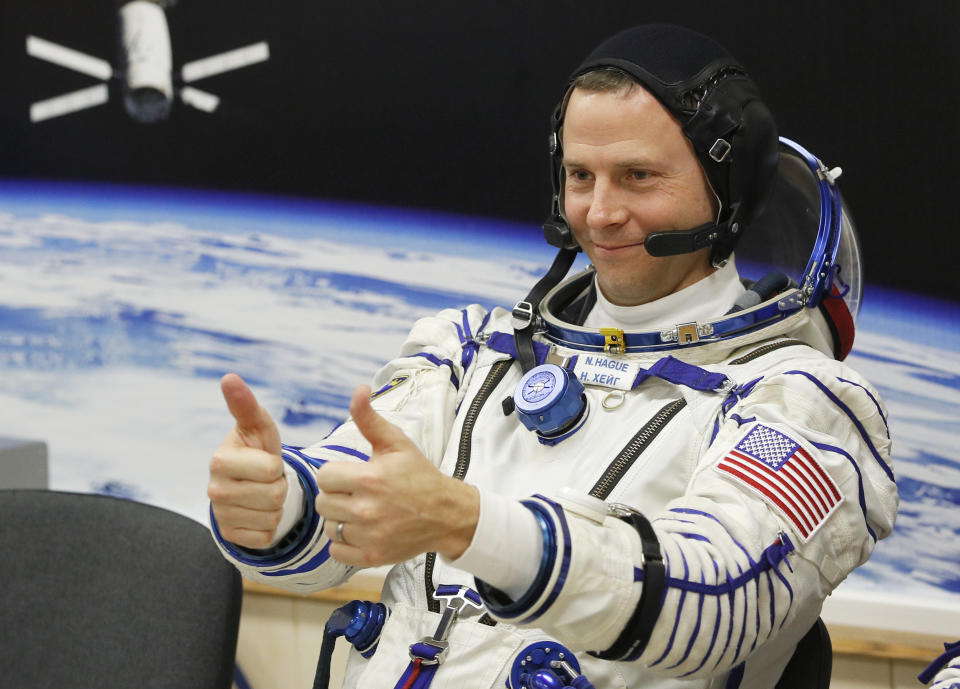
718,152
522,315
432,650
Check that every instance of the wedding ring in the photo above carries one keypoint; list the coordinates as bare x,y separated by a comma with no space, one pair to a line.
340,538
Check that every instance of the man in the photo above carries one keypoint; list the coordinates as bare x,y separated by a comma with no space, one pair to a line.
751,469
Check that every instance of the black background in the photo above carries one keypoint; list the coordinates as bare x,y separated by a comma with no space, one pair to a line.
444,105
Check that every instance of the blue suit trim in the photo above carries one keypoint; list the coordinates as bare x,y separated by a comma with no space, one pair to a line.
288,553
296,451
716,624
696,630
769,562
862,498
856,422
442,362
559,518
469,344
873,399
496,601
773,556
683,597
307,566
346,450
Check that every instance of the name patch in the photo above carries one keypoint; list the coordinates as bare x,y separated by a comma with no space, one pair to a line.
605,371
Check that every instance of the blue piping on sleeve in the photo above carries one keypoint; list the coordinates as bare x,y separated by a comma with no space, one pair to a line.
676,622
732,596
773,604
346,450
696,629
559,518
716,625
707,515
695,537
744,578
310,564
296,451
876,403
318,462
773,555
863,501
856,422
496,601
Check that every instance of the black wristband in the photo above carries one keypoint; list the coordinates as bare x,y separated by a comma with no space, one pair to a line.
633,639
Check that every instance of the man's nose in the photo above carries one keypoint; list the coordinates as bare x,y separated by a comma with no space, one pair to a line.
607,206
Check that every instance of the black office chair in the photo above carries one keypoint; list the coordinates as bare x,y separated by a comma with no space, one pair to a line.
102,592
812,661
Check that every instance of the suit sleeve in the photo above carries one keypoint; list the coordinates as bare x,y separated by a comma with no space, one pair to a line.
792,489
420,392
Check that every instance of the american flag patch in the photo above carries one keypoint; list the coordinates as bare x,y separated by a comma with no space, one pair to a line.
776,467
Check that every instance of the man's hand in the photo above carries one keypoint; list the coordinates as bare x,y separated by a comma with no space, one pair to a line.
247,486
397,504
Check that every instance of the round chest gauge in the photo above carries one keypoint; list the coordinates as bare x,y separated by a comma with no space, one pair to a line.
540,386
548,399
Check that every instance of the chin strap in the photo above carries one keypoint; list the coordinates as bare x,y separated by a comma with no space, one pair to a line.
525,313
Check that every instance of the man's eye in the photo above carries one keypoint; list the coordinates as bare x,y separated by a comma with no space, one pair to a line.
639,174
579,175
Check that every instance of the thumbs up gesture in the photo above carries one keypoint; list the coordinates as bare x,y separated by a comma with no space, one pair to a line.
397,504
247,484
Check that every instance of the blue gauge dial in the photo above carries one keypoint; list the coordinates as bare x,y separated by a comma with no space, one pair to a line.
539,386
549,399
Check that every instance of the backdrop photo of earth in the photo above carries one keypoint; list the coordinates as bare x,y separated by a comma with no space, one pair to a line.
378,167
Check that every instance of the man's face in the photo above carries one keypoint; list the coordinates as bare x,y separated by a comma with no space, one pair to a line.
630,171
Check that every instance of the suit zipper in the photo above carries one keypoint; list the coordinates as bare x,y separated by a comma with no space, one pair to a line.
633,449
497,373
765,349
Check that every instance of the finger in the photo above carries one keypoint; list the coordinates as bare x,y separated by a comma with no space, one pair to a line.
330,530
346,551
250,494
381,434
231,517
350,555
248,538
337,507
254,424
344,477
240,400
246,463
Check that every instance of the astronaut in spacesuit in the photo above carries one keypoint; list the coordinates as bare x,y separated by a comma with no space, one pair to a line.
649,474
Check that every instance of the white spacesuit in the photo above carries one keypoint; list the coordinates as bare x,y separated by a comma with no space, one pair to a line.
749,555
702,473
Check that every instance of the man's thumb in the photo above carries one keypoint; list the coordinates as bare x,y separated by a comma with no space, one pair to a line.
381,433
253,422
